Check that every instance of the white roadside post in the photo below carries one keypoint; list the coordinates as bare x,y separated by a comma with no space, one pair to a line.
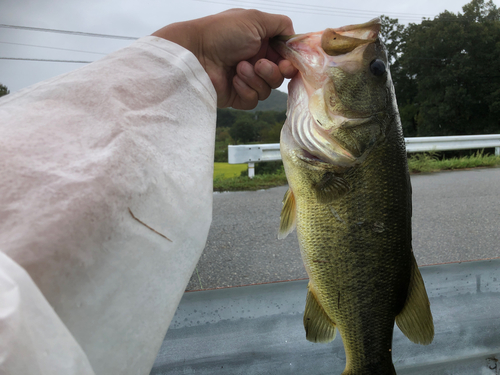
251,170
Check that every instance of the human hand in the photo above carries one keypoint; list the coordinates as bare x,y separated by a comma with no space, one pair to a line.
233,48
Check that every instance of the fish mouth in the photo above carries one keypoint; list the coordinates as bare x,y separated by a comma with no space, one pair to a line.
315,124
343,39
321,48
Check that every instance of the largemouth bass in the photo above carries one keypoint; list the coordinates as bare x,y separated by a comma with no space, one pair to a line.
350,196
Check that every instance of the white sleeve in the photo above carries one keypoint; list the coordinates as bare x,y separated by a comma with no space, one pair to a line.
98,168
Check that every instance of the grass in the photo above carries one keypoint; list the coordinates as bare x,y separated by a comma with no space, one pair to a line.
225,170
417,163
240,183
429,162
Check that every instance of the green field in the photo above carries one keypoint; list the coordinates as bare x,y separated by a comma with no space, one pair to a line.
225,170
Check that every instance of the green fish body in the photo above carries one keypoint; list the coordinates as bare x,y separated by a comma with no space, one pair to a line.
350,197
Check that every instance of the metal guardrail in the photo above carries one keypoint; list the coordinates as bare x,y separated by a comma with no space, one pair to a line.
456,142
258,329
252,154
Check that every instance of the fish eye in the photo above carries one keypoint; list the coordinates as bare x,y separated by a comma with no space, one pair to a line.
377,67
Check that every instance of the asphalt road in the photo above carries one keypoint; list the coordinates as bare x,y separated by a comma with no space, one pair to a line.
456,217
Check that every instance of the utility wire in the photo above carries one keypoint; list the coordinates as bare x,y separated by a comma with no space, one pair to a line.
323,7
80,33
61,49
46,60
343,13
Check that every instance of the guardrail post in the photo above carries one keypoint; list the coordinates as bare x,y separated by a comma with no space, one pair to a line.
251,170
497,151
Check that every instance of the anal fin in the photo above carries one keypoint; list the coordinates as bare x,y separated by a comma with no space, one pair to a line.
415,320
318,325
288,215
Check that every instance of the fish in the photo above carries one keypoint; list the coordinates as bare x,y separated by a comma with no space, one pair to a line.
349,196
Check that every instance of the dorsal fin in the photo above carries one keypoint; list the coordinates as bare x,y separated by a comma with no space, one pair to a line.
331,187
288,215
415,320
319,327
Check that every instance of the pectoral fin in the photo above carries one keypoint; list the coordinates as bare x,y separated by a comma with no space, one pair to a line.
330,188
288,215
318,325
415,320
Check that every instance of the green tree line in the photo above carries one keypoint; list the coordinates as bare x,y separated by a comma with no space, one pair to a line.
446,71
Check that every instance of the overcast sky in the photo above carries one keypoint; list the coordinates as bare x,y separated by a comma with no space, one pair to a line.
136,18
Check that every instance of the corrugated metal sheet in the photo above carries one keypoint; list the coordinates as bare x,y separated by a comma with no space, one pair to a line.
258,329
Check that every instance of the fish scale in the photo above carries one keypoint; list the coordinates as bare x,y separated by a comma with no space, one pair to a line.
350,198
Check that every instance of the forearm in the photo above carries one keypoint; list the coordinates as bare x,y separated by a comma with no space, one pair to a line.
134,131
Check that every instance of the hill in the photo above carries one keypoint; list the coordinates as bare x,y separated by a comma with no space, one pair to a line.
275,102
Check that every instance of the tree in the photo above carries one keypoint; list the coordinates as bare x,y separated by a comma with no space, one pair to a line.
272,133
243,130
225,117
390,34
246,126
3,90
446,77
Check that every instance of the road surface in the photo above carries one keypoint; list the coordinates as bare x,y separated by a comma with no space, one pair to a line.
456,217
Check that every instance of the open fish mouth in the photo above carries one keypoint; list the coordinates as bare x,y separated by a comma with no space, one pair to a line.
340,40
325,61
309,52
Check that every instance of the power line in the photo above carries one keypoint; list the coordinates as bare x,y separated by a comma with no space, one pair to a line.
61,49
80,33
321,11
323,7
46,60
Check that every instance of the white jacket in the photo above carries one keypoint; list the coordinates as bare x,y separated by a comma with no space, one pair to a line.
97,167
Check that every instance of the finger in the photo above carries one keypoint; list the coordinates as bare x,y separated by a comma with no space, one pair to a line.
246,97
269,72
287,69
247,73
